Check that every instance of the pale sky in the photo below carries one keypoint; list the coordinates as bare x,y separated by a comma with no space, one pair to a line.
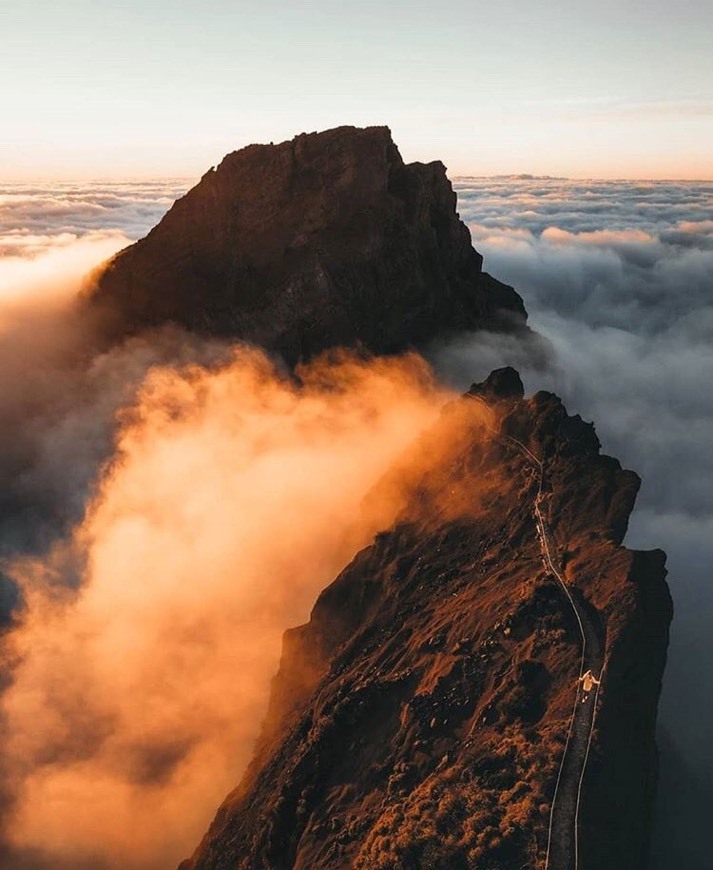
91,88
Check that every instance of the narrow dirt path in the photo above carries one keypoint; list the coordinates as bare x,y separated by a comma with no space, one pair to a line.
563,834
563,840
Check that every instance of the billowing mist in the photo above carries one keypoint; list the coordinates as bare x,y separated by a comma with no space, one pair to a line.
57,400
232,500
619,277
170,508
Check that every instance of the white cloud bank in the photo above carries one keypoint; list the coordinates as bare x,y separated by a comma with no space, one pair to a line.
619,277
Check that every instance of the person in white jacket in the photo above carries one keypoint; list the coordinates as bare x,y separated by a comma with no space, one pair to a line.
588,682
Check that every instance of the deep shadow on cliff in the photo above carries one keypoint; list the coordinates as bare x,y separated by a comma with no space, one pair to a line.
419,719
327,240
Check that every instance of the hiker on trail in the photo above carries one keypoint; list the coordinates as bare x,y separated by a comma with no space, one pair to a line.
588,681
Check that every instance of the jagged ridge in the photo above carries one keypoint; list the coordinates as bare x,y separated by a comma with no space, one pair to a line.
419,718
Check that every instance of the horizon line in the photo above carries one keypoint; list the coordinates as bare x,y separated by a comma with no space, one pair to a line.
497,176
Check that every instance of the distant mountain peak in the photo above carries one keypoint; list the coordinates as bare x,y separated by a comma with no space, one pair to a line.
327,239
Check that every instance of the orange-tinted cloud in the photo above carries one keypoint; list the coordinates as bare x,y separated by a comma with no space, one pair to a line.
46,271
233,498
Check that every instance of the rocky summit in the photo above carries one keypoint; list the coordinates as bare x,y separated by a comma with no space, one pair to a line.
327,240
478,688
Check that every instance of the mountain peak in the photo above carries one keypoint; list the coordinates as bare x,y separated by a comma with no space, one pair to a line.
503,383
327,239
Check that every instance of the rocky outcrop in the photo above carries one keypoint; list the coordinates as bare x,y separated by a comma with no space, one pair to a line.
326,240
420,718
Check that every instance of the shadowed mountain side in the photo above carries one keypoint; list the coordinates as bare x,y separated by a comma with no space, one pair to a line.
326,240
683,800
419,719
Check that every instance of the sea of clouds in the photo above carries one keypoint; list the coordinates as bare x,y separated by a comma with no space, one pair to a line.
36,217
617,275
57,427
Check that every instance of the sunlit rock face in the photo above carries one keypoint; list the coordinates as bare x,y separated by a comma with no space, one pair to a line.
329,239
419,719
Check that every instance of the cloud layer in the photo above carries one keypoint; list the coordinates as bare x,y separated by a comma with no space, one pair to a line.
233,498
58,426
169,507
35,217
619,277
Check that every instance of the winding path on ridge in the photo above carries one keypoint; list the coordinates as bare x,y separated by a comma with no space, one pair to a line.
563,835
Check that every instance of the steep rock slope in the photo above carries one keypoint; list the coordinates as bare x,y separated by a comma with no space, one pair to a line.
421,718
329,239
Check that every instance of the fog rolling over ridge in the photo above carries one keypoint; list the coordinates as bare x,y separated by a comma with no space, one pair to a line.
202,473
619,277
215,527
57,428
616,275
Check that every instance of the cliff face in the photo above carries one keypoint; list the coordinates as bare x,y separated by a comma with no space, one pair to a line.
326,240
430,714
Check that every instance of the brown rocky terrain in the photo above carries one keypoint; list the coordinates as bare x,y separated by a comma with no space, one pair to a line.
421,718
329,239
